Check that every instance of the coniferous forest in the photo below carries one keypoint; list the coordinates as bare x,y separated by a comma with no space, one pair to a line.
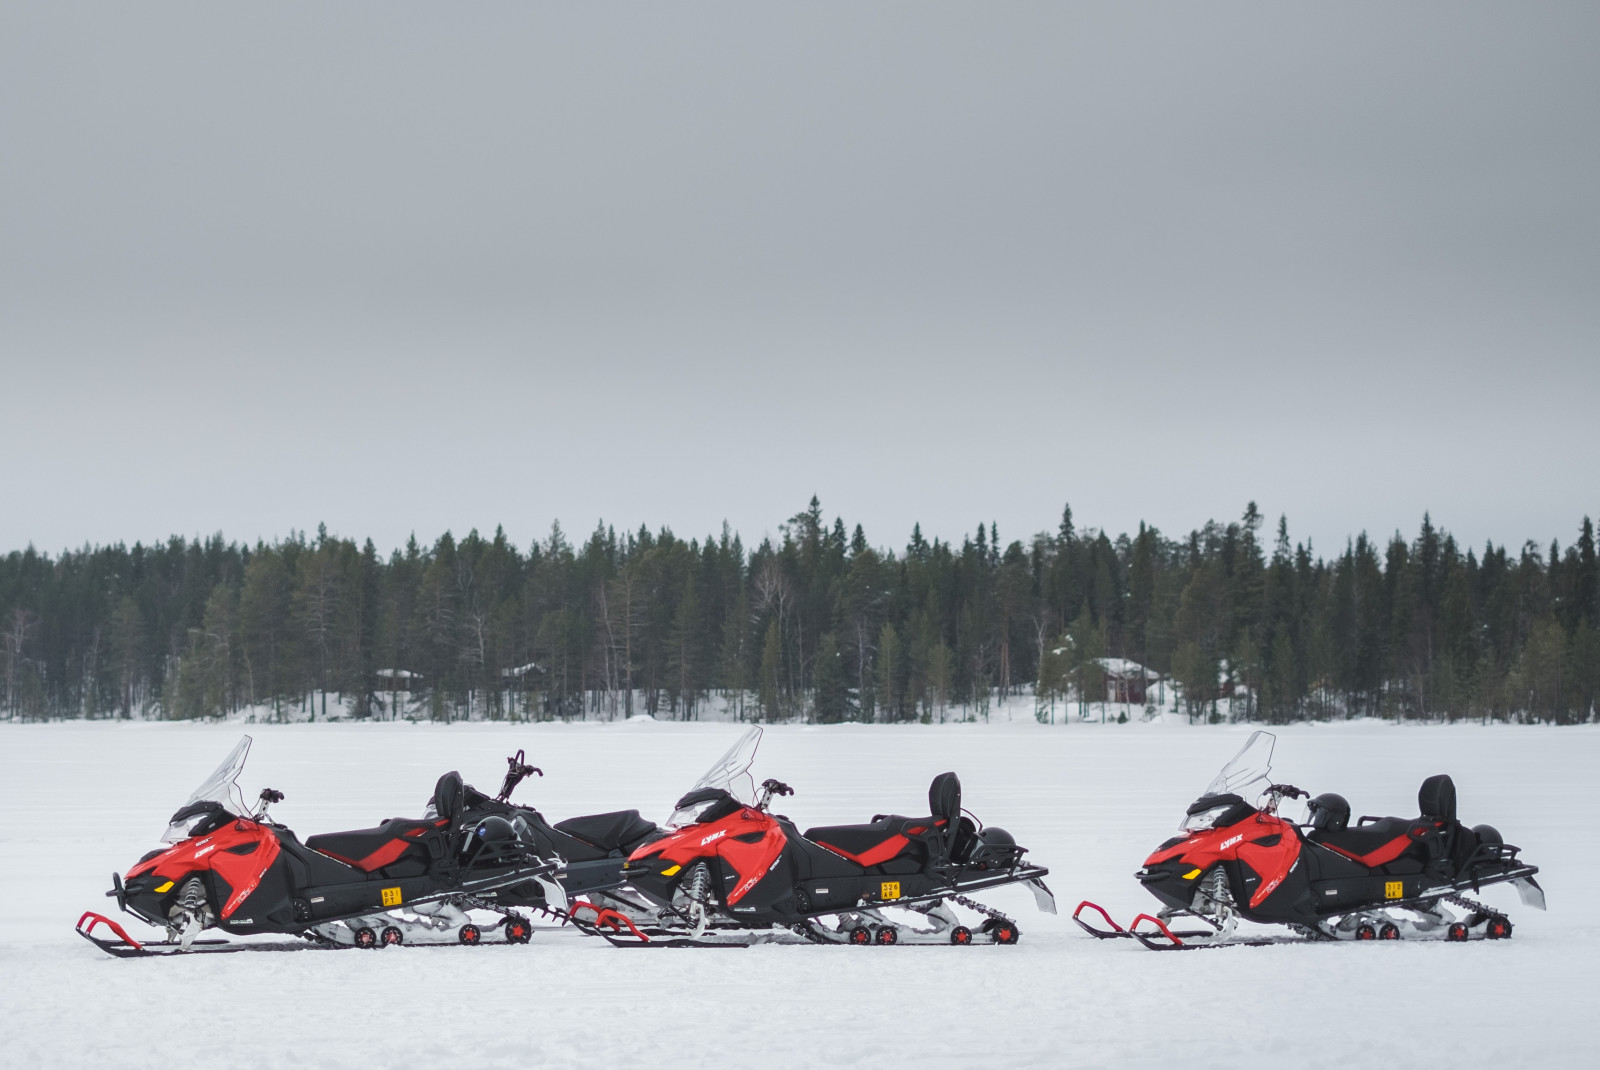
818,626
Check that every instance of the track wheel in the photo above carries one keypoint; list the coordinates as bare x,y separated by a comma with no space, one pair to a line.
886,935
1498,929
1390,931
1006,933
469,935
517,930
861,935
365,937
961,936
391,936
1364,931
1456,932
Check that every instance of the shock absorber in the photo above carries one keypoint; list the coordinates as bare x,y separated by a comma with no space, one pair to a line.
698,891
189,914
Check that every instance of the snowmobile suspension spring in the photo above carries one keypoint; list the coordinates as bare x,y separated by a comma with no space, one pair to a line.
1468,904
981,909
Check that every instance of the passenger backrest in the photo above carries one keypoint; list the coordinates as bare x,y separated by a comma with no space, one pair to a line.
447,796
944,799
1437,799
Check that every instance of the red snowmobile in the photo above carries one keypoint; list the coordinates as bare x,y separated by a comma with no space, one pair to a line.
404,881
1382,879
729,871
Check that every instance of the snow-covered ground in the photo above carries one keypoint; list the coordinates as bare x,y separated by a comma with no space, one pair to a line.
80,800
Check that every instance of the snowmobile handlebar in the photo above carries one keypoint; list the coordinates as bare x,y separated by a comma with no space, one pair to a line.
516,772
769,788
267,797
1276,793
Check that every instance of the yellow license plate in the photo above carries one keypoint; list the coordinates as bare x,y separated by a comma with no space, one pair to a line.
1394,889
391,897
891,890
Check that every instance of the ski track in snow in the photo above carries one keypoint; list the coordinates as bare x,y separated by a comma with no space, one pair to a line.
1090,801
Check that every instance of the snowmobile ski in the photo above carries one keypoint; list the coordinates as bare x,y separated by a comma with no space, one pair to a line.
126,947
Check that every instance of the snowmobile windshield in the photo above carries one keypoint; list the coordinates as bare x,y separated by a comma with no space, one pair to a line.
730,773
1247,768
221,787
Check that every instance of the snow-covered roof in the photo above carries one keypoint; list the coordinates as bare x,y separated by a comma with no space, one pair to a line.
1123,668
398,674
523,670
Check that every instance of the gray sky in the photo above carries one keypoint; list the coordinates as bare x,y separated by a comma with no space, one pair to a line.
408,267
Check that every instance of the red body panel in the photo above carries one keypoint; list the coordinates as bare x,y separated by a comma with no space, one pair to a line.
215,852
751,861
1272,861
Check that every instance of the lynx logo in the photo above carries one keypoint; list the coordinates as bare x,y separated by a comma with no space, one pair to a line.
1230,841
717,835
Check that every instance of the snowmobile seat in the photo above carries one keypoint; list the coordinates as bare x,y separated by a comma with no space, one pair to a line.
891,836
609,832
870,844
374,848
1375,840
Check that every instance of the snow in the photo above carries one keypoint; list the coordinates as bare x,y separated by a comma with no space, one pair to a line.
1090,801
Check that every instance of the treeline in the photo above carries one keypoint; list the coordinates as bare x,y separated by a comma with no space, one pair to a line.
818,625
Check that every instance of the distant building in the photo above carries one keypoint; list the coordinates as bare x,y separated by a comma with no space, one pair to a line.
1126,681
396,679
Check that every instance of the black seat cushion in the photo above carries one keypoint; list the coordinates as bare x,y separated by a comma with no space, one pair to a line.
375,848
1436,801
873,844
851,840
1372,844
609,832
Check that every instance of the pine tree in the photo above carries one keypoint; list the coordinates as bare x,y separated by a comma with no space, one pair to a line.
830,687
768,675
889,670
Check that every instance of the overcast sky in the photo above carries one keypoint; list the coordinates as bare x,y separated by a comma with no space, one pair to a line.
408,267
